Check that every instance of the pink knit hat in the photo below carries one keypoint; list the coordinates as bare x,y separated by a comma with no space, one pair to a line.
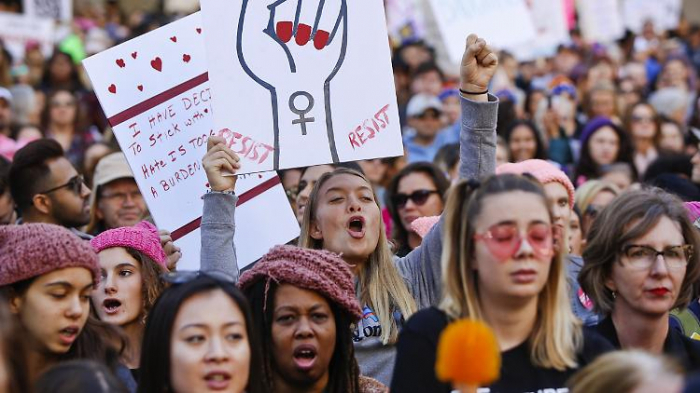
316,270
31,250
142,237
542,171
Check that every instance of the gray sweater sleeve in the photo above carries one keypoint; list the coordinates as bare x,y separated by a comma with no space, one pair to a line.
422,268
217,229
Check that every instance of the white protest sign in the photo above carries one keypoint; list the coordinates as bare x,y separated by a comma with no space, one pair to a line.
54,9
404,20
16,30
551,30
155,92
503,23
665,14
294,96
600,20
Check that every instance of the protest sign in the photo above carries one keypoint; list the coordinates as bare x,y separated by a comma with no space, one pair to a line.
505,24
61,10
405,21
665,14
315,92
600,20
17,30
155,92
549,19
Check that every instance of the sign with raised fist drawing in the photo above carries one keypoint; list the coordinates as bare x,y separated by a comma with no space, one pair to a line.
301,82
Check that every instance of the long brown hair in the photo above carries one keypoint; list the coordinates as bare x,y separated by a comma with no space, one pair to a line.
380,284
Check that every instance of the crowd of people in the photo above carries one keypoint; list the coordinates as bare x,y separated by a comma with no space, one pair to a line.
557,201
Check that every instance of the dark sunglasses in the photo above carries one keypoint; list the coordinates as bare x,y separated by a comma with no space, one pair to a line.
419,197
183,277
75,184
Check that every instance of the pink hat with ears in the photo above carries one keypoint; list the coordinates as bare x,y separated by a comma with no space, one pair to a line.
142,237
543,171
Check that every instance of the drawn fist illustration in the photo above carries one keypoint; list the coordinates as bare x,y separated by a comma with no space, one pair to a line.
294,48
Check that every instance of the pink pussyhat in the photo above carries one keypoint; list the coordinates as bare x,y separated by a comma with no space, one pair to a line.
543,171
142,237
693,209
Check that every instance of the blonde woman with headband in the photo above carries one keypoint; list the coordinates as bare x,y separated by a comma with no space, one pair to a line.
343,216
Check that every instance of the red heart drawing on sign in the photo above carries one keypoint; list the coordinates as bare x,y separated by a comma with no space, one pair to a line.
120,63
186,58
112,88
133,55
199,30
157,64
206,110
140,87
173,39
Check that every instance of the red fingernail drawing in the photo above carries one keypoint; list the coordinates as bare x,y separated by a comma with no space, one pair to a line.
186,58
173,39
133,55
303,34
112,88
321,39
157,64
284,31
120,63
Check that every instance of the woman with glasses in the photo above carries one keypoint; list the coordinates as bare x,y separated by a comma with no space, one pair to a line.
642,262
131,261
200,337
417,191
500,265
343,216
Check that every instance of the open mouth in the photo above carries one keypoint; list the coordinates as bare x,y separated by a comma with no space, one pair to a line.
305,357
356,227
217,380
111,305
69,334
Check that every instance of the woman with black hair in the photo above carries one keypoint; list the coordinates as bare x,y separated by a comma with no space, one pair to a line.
602,143
417,191
524,141
200,337
304,304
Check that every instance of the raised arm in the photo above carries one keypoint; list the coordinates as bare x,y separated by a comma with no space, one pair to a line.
218,226
477,140
422,268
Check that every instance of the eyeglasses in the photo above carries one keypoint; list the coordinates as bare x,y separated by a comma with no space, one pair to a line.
641,257
419,197
504,240
75,184
183,277
121,197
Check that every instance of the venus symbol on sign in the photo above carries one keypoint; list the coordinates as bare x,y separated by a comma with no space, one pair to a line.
302,120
